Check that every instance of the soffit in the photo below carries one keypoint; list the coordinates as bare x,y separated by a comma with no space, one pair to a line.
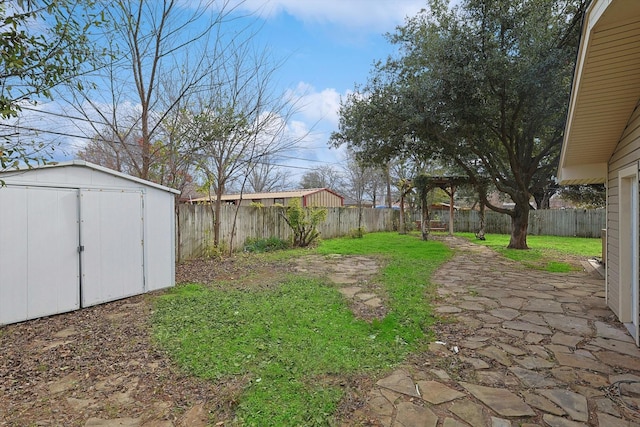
606,85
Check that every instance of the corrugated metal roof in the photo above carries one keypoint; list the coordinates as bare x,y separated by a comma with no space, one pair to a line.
275,195
605,92
82,163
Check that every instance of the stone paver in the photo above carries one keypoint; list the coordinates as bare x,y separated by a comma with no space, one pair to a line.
470,412
401,382
500,400
627,348
605,330
410,415
527,327
496,354
572,403
554,421
566,340
532,379
533,349
543,305
542,403
436,393
611,421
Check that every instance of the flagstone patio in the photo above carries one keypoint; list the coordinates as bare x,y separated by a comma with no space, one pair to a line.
516,347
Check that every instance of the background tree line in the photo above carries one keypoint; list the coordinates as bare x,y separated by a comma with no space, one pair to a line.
174,94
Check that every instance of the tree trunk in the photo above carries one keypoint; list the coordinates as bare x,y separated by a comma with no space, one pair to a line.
425,221
216,217
402,226
480,232
519,225
388,179
176,207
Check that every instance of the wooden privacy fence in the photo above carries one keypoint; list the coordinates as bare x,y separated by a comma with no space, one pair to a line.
549,222
194,224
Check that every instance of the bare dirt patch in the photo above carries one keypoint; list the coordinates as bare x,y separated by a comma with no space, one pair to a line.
241,270
100,363
96,363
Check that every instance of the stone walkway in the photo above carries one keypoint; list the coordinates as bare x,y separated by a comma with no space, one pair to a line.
355,275
516,347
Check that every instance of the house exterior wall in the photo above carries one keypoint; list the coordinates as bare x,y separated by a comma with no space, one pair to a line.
323,198
626,154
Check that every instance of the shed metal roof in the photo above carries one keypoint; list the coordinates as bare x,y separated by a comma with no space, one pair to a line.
82,163
275,195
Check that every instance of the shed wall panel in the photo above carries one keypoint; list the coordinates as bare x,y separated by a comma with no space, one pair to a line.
38,252
13,255
111,232
42,271
159,244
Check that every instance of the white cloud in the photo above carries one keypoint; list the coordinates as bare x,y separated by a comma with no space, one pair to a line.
372,15
317,107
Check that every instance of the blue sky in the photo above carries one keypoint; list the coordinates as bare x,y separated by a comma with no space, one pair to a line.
329,46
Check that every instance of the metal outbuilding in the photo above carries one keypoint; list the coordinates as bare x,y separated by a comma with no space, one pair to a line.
76,234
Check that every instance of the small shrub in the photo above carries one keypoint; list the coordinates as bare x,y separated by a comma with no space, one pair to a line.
258,205
303,222
210,250
265,245
357,233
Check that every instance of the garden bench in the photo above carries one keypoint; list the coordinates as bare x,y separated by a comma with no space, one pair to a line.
434,225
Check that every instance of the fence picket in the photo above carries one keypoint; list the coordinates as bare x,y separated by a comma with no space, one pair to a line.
194,224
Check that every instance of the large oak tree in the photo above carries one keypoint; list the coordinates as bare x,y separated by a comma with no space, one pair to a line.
484,86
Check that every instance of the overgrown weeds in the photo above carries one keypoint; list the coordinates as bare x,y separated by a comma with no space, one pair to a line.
282,339
265,245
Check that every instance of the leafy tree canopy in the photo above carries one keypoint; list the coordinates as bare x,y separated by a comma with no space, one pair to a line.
43,43
483,86
324,176
585,196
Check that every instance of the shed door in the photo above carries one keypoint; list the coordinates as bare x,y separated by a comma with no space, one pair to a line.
38,252
111,234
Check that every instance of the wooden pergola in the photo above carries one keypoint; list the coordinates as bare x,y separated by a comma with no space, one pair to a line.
424,184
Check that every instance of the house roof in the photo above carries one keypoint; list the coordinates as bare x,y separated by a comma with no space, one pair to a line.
605,91
275,195
82,163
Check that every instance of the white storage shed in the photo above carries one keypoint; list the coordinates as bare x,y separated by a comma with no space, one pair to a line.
75,234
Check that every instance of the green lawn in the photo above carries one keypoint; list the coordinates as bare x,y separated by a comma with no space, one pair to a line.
290,345
546,252
288,342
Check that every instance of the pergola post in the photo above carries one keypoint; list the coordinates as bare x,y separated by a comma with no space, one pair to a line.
451,197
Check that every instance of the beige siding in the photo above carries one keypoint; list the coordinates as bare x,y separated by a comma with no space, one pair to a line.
265,201
323,198
627,153
309,198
